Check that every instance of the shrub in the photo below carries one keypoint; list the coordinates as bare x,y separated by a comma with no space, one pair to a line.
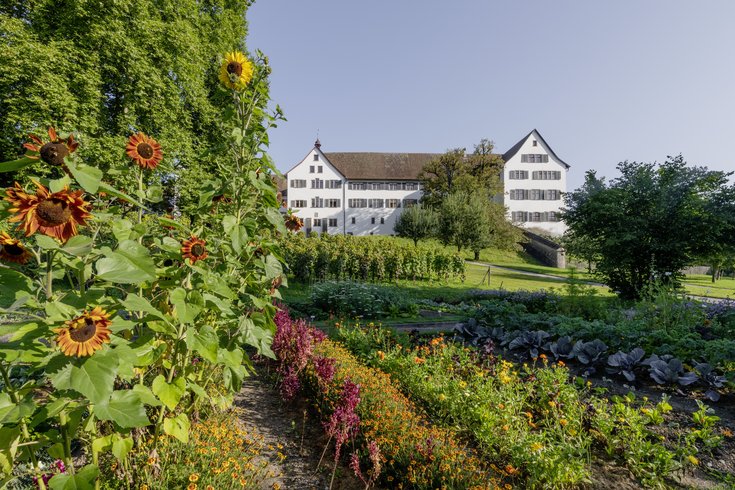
357,300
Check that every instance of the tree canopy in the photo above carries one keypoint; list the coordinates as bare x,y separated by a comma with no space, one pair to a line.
105,70
456,170
417,223
652,221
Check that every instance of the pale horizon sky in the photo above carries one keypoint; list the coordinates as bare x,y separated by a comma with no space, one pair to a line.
602,82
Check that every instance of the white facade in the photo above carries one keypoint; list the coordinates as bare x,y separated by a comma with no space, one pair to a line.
534,180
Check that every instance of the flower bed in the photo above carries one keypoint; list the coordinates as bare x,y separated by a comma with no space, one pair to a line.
530,421
414,454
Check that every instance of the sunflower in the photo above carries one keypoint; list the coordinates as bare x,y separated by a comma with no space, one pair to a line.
194,249
55,150
85,334
236,71
293,222
144,150
11,250
56,215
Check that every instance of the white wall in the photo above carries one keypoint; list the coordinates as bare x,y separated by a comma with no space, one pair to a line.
541,206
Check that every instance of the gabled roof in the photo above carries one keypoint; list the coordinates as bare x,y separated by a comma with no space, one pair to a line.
380,166
511,153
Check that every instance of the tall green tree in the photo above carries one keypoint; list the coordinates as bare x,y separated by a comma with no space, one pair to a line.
104,69
652,221
458,171
417,223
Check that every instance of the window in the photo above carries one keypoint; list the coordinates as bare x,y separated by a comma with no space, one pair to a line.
546,175
372,220
319,169
518,174
535,143
407,203
333,203
382,221
311,169
518,216
317,202
353,220
317,222
298,183
534,158
552,195
535,194
298,203
357,186
317,184
518,194
392,203
375,203
332,222
376,186
357,203
316,157
333,184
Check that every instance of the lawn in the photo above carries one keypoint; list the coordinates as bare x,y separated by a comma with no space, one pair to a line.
702,285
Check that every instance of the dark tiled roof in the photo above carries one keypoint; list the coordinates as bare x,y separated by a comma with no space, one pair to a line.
380,166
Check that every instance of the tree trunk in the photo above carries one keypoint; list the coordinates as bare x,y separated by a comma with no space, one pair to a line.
477,255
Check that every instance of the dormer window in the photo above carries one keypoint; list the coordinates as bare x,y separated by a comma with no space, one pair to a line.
316,157
535,143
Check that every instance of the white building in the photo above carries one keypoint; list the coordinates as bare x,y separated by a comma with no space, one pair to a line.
364,193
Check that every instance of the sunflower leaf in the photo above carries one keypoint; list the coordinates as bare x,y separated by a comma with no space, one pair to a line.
131,263
89,178
178,427
82,480
169,393
13,165
119,194
125,408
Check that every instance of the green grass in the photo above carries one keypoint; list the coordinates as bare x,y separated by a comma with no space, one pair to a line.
702,285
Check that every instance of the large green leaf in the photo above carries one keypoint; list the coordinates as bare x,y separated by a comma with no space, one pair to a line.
121,446
131,263
114,192
12,413
124,408
169,393
273,267
13,286
178,427
87,177
133,302
9,440
186,307
203,340
78,245
82,480
14,165
146,395
93,376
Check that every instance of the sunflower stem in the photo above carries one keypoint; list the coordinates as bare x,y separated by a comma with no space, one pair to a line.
64,423
50,274
23,426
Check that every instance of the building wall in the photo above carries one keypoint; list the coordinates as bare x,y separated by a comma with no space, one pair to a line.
543,207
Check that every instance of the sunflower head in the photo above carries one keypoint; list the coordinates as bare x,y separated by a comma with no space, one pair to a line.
293,222
194,249
56,215
11,250
85,334
236,71
144,150
54,151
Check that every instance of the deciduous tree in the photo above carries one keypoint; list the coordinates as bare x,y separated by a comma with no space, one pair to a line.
417,223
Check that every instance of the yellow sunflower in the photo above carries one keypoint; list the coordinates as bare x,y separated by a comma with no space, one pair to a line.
85,334
54,151
56,215
194,249
144,150
236,71
11,250
293,222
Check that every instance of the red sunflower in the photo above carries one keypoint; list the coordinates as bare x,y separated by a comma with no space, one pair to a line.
85,334
194,249
11,250
144,150
293,222
56,215
55,150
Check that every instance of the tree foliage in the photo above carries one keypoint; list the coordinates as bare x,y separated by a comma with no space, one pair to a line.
417,223
105,70
456,171
652,221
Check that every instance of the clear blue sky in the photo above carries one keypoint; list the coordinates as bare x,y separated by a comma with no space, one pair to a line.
602,81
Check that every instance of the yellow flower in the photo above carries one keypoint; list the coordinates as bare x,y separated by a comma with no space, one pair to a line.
194,478
552,403
236,71
192,486
536,446
563,422
442,397
692,459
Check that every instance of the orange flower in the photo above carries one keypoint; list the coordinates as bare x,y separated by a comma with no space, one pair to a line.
144,150
419,360
194,477
194,249
56,215
293,222
11,250
54,151
85,334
